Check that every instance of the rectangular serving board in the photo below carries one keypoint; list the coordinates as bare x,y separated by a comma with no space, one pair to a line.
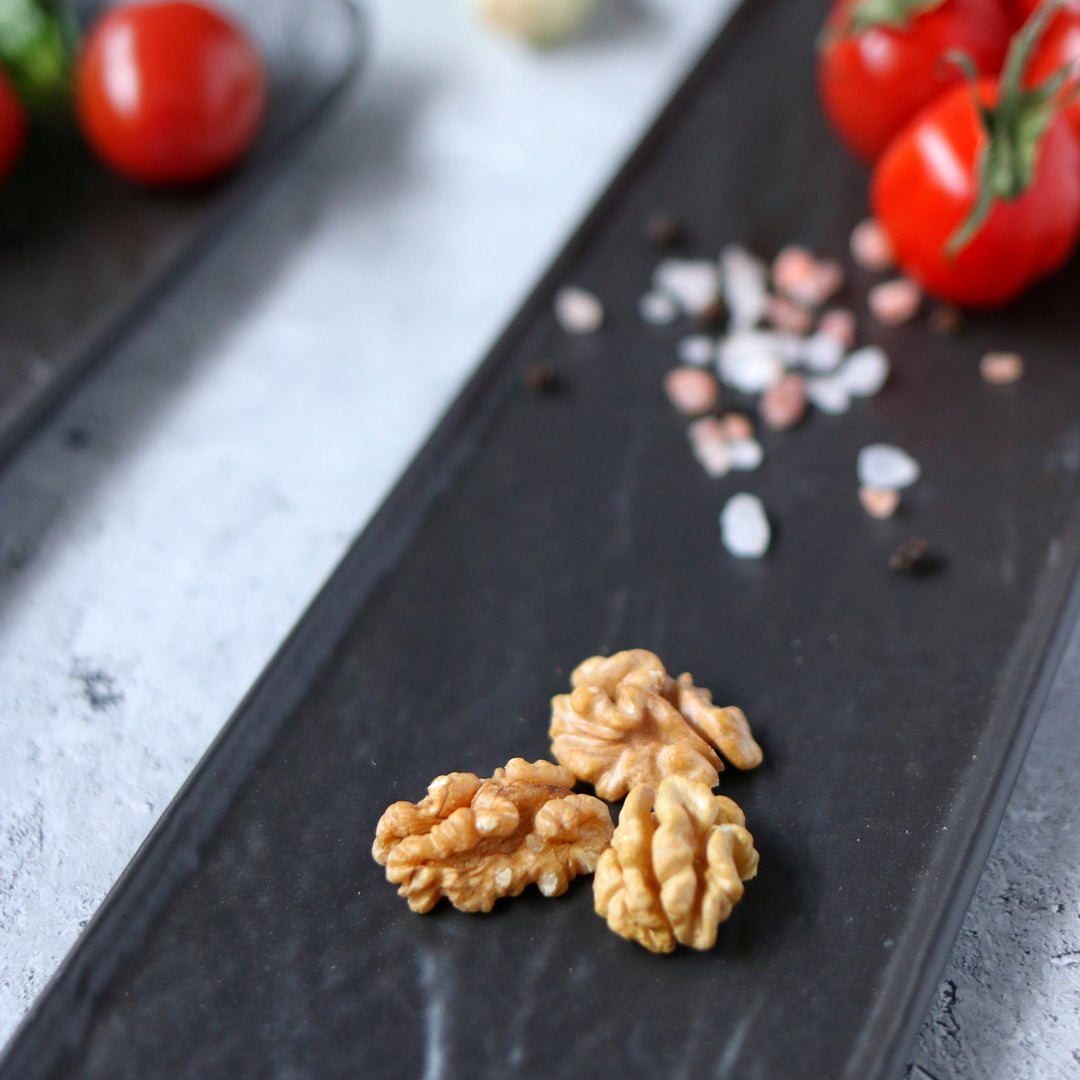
253,935
82,252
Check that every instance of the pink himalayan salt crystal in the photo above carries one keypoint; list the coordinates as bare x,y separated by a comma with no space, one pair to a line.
805,279
784,405
870,246
735,426
878,502
838,324
711,445
895,302
691,390
788,316
1002,368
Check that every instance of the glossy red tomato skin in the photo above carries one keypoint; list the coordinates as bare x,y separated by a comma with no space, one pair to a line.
924,188
12,126
169,92
874,81
1026,8
1059,47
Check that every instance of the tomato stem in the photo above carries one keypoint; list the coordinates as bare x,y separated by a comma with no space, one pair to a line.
1014,126
897,14
38,42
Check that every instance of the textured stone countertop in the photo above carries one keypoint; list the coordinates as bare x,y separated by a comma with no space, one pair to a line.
162,534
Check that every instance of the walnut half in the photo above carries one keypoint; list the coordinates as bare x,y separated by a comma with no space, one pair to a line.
674,869
475,841
627,722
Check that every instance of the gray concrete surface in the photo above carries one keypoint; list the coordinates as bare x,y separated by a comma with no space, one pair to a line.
166,530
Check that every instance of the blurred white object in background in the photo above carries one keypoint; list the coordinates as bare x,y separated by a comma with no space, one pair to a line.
542,22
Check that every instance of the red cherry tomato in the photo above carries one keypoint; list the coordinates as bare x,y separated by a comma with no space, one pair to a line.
169,92
12,126
874,78
1060,48
925,187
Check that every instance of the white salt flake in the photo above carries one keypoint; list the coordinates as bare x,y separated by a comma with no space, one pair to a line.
693,284
828,394
745,286
658,309
745,454
751,373
865,371
886,467
822,352
711,446
744,526
697,350
578,311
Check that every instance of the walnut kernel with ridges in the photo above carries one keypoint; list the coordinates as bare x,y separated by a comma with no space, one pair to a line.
475,841
627,722
676,866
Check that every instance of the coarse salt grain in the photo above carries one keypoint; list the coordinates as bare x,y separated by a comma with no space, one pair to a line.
828,394
887,467
691,390
809,281
737,426
784,405
865,371
578,311
746,454
745,291
1002,368
751,373
698,350
820,352
710,445
658,309
870,247
788,316
839,324
744,526
894,302
693,284
879,503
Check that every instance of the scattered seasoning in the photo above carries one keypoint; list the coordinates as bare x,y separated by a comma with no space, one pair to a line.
865,371
693,284
878,502
828,394
870,247
746,454
578,311
805,279
711,446
784,405
946,319
540,378
895,302
786,315
715,314
838,324
745,287
658,309
663,230
820,352
887,467
744,526
913,556
737,426
691,391
1002,368
697,350
750,372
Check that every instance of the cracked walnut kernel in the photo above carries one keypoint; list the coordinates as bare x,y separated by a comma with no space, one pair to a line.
627,722
475,841
676,866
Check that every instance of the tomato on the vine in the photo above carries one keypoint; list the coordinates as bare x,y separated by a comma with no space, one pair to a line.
1059,50
980,195
170,91
880,61
12,126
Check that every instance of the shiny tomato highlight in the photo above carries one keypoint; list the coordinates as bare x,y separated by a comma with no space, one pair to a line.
169,92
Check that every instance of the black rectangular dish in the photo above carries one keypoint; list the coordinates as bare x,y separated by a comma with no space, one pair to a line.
82,252
253,935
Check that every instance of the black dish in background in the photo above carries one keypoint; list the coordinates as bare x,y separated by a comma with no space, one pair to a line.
83,252
254,936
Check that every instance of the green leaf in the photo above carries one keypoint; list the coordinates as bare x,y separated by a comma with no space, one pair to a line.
38,43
